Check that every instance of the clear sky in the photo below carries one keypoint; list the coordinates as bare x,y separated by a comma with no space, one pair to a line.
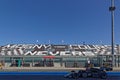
57,21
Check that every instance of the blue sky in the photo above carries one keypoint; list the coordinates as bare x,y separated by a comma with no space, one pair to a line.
73,21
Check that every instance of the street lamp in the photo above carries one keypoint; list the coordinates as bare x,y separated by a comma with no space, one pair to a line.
112,9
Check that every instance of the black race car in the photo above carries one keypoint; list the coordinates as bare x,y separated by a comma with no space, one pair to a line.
92,72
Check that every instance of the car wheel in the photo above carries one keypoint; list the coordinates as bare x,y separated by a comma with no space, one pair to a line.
84,75
103,76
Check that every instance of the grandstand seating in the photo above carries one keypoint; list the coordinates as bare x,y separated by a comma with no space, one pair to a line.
57,50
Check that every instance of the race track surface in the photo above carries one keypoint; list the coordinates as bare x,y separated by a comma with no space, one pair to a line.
48,77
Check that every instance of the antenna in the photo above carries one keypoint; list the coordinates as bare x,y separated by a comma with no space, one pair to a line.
49,41
62,41
37,41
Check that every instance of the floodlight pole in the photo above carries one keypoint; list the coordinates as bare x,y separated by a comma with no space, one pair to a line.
112,9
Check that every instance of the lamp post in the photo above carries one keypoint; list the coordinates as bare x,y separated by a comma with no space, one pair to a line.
112,9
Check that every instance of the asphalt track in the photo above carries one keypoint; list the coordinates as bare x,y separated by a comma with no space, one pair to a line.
49,76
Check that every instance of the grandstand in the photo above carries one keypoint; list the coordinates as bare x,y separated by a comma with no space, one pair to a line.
57,50
36,55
